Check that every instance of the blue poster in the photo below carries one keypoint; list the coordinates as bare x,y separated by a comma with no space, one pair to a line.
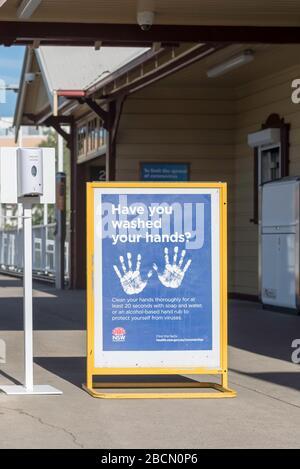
157,272
164,172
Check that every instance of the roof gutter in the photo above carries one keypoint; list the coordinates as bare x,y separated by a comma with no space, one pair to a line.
71,93
122,71
177,60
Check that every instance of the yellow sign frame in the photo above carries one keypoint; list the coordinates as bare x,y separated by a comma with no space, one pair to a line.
93,388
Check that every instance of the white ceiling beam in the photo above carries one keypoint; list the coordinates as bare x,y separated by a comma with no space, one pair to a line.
27,8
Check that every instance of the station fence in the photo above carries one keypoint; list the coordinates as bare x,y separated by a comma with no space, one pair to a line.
43,248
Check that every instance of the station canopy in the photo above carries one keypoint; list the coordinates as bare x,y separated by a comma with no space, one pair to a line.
187,12
114,22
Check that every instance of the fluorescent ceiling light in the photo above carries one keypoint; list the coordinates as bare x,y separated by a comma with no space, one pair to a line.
231,64
2,2
27,8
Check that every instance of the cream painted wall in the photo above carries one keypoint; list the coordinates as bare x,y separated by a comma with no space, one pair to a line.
185,125
255,102
209,128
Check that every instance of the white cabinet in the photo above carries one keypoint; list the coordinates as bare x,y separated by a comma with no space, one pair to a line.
279,243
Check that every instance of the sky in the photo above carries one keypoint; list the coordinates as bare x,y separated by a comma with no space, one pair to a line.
11,61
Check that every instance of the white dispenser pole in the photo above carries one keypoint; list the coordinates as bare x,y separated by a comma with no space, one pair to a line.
27,297
31,185
28,387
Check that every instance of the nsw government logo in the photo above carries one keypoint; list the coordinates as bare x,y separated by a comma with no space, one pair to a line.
118,334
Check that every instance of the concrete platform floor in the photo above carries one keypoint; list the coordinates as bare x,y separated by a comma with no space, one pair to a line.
266,413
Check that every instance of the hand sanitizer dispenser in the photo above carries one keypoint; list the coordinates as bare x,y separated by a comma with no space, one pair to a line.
30,172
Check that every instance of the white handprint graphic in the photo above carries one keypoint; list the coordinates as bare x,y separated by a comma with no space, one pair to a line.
173,274
131,280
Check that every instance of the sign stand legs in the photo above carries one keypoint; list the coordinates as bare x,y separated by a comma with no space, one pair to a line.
29,387
197,389
220,392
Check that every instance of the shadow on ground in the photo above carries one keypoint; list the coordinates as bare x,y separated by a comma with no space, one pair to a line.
251,328
10,378
286,379
56,310
73,370
260,331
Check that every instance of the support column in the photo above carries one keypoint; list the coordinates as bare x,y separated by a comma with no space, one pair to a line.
111,144
78,219
73,165
60,231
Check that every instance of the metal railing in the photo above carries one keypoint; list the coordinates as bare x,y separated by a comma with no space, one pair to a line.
43,248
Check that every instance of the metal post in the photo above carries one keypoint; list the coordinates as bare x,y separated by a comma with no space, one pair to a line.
2,215
60,232
20,215
27,296
44,237
20,207
60,160
45,214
